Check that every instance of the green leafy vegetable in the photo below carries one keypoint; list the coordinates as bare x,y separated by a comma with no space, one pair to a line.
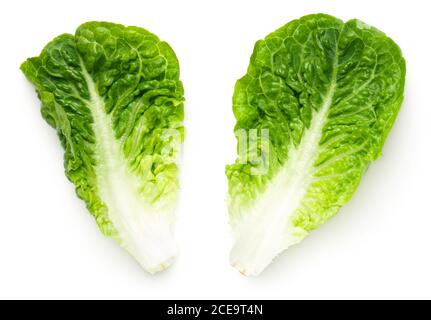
317,103
114,96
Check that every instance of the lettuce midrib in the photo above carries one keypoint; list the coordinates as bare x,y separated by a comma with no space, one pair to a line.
271,215
137,223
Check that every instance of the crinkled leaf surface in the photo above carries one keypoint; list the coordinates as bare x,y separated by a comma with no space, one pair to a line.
114,96
328,92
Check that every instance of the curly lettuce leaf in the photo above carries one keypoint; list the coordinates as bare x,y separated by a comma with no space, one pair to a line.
114,96
327,93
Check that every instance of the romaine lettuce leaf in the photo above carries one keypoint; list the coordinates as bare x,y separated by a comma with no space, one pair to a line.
326,94
114,96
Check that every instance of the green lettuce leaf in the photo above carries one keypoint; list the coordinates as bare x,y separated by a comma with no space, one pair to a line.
313,111
114,96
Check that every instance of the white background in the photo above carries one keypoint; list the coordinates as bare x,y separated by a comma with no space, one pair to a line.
379,246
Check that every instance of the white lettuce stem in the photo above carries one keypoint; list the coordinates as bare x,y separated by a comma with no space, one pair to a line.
143,230
265,229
